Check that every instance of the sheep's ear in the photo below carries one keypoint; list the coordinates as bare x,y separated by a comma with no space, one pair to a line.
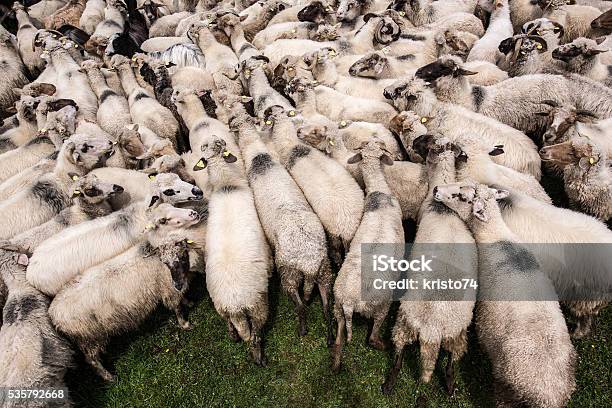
600,40
200,165
499,149
506,45
460,155
229,157
355,159
368,16
23,260
11,109
559,30
478,209
464,72
46,89
500,194
542,42
595,51
61,103
584,115
154,200
73,176
386,159
70,146
242,18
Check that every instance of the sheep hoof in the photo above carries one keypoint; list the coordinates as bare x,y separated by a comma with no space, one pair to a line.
387,388
302,330
378,344
330,340
185,325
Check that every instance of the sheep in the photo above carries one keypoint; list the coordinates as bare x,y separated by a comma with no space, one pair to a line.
71,82
562,123
258,17
264,96
586,175
527,341
528,54
377,65
26,124
69,14
583,278
25,34
295,233
581,56
219,57
50,193
181,55
338,106
32,354
500,27
521,153
91,196
113,23
238,260
421,12
71,251
381,223
316,11
118,294
333,194
113,112
231,24
516,101
575,19
144,109
437,319
92,15
13,70
132,182
165,26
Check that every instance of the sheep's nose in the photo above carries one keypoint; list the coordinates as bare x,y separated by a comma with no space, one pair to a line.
435,191
193,215
117,189
352,71
388,94
197,192
544,153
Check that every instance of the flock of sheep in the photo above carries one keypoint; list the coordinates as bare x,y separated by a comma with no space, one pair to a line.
151,140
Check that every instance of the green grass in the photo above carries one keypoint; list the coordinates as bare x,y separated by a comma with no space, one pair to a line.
163,366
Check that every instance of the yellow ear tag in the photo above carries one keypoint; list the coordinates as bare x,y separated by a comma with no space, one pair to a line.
226,153
76,192
76,45
294,31
75,177
245,98
424,119
591,160
290,69
151,177
268,122
247,73
539,46
386,50
189,241
292,113
315,83
134,59
402,13
149,226
331,143
200,164
343,123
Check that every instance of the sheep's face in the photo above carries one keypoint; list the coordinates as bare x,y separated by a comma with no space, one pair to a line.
457,43
408,126
372,150
387,29
489,5
63,124
469,200
406,93
543,27
26,108
273,7
228,20
169,188
290,67
581,49
166,218
604,21
315,12
318,136
561,119
446,66
214,152
182,95
369,66
578,152
434,148
349,10
96,45
38,89
90,64
170,163
91,190
118,61
524,48
317,61
298,88
88,151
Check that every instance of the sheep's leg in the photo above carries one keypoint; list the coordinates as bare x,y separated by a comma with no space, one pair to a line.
290,281
181,317
240,322
348,316
335,251
300,310
308,288
92,357
457,347
232,332
429,356
375,340
449,375
337,350
258,320
389,384
327,314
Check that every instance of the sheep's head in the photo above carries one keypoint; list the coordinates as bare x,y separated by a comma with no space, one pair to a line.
489,6
371,65
318,136
445,66
407,8
117,61
200,30
59,125
578,153
523,48
214,151
561,118
386,28
164,221
290,67
349,10
603,22
96,44
88,151
544,27
182,95
455,42
170,163
370,151
326,32
90,189
297,88
238,114
228,20
315,12
169,188
469,200
26,108
406,94
17,6
579,51
90,64
434,148
320,57
407,125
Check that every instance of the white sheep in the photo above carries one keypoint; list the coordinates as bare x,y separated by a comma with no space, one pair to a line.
500,28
